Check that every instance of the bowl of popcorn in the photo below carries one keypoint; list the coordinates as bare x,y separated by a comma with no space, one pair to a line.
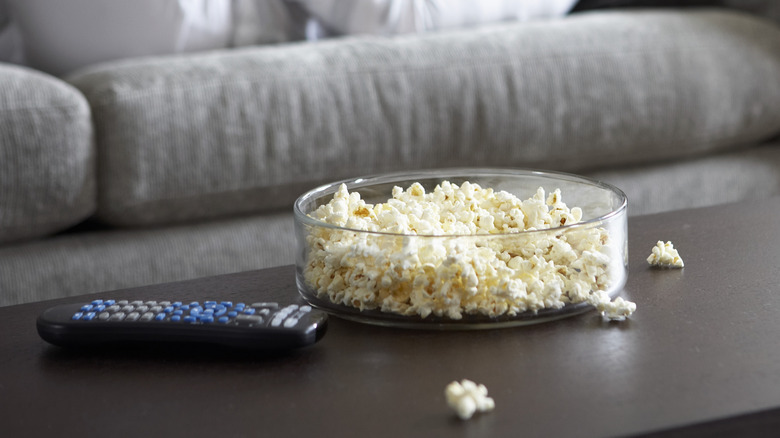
462,248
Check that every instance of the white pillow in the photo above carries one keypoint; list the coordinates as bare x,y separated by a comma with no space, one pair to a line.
60,36
389,17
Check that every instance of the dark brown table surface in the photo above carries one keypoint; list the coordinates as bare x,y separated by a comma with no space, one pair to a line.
700,357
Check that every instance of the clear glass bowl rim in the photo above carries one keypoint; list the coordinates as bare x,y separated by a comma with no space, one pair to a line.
460,172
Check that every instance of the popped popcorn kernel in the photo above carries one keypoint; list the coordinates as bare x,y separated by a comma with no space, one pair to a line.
435,255
466,398
614,310
665,256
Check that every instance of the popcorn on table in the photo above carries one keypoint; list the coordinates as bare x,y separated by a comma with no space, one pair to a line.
462,269
466,398
616,310
665,256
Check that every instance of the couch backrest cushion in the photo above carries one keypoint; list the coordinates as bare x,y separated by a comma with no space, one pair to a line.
247,130
47,162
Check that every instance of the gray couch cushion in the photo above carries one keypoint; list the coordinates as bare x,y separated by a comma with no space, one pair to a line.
72,264
47,175
700,182
248,130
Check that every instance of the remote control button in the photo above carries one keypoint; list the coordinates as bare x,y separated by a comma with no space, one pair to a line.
177,304
266,305
190,319
109,302
220,312
156,309
306,309
175,318
290,322
133,316
184,307
239,306
97,302
160,317
195,304
223,320
150,303
277,321
264,312
113,308
148,316
104,316
206,319
121,303
164,303
127,309
232,313
251,319
249,311
77,316
86,308
208,312
178,312
137,303
119,316
89,316
209,303
298,315
226,303
142,309
168,309
220,307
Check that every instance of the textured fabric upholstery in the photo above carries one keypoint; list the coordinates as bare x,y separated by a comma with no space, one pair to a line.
201,136
78,263
705,181
75,264
47,174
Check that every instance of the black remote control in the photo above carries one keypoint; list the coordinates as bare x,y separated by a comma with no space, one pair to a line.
263,326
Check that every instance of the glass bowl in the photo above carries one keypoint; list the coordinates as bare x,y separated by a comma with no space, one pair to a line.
464,281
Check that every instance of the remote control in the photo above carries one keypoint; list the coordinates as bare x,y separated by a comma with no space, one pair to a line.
264,326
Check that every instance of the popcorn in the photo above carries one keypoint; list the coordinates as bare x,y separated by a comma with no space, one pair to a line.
665,256
467,397
458,250
617,310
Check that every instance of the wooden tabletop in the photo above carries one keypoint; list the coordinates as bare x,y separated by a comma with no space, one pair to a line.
700,357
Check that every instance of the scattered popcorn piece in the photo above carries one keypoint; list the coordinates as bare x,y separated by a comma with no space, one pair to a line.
435,254
466,398
665,256
613,310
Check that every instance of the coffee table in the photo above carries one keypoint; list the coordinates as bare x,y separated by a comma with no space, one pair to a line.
700,357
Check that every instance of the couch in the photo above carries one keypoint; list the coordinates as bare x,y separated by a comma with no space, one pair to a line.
166,168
